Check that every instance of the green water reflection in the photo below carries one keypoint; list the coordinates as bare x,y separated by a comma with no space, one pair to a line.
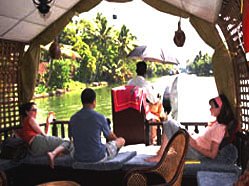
66,105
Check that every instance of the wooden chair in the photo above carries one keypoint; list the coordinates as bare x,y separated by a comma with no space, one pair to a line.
130,123
3,179
169,170
244,178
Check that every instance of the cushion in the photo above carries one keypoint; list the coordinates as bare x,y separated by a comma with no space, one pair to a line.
192,169
228,154
224,162
143,152
206,178
8,164
141,149
138,161
113,164
64,160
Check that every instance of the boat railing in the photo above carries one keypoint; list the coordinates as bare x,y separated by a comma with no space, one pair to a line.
62,128
59,128
197,126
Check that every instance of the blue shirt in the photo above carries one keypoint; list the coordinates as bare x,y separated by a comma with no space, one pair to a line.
87,126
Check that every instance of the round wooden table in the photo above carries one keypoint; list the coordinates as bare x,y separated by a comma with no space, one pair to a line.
60,183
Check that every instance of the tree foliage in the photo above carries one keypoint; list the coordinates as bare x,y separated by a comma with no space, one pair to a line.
202,65
103,50
60,74
102,47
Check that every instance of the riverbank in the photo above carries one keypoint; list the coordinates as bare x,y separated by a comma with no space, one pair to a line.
75,88
67,104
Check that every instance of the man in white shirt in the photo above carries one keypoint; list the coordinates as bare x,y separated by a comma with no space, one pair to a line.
139,80
156,111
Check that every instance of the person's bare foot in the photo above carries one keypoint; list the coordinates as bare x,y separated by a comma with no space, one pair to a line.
51,159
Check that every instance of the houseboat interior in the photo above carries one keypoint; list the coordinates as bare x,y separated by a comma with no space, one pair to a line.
222,24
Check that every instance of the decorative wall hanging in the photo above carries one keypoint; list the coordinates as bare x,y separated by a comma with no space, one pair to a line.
54,50
179,38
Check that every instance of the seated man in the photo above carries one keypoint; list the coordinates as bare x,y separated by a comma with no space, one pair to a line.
87,126
155,109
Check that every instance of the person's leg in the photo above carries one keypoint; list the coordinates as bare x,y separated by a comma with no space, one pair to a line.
112,147
65,146
170,127
193,154
153,135
164,143
120,142
52,155
49,145
41,145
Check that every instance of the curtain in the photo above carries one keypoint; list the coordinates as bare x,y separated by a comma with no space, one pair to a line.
245,27
30,60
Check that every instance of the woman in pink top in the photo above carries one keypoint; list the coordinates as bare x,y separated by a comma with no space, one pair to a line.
39,142
207,143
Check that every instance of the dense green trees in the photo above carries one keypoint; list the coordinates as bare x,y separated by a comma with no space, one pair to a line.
102,47
103,50
201,66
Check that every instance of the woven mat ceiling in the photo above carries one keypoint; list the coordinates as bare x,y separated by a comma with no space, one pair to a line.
21,21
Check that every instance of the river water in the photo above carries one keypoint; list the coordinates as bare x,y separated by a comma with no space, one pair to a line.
67,104
193,96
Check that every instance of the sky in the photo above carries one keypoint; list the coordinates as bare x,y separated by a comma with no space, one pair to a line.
152,27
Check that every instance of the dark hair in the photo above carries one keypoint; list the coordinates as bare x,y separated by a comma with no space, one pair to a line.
227,118
24,108
214,102
226,115
88,95
141,68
